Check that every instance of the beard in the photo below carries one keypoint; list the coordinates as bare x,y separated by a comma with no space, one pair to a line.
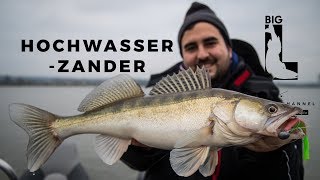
212,67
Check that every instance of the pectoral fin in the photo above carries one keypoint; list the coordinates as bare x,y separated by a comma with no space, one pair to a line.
209,166
224,110
195,138
110,149
186,161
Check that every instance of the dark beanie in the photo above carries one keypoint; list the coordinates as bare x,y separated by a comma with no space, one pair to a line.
201,13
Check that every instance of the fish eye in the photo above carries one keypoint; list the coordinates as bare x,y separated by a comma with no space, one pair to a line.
272,109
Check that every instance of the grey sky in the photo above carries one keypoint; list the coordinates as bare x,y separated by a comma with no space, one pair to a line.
146,19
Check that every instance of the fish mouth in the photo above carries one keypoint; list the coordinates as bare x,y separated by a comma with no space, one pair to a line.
287,125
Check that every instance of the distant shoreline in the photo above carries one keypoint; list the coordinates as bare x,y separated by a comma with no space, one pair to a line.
301,85
39,81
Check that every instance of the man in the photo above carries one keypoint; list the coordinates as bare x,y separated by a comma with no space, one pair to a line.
204,41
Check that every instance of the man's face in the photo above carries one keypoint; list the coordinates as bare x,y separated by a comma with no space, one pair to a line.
203,45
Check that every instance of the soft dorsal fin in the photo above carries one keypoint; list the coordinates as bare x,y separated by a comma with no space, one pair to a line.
112,90
185,80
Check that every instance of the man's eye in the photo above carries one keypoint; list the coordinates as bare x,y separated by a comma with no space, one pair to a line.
190,48
211,43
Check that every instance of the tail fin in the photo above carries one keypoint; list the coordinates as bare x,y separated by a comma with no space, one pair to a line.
37,123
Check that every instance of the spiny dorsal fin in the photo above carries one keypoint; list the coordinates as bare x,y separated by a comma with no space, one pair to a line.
112,90
185,80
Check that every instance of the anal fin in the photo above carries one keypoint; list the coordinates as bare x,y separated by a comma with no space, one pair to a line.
110,149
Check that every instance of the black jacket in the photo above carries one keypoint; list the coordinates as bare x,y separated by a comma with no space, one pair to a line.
236,162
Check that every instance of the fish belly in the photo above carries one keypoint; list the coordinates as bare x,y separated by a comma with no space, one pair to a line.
162,126
156,126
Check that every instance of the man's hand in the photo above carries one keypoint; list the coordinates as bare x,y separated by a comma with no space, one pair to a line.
267,144
134,142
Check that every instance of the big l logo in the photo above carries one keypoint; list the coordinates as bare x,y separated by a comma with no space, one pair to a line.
274,63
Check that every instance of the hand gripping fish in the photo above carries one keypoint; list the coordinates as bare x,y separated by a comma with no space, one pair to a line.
182,114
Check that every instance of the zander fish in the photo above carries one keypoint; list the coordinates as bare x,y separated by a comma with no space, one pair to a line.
183,114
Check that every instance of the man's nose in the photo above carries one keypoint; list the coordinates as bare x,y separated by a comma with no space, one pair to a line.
202,53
